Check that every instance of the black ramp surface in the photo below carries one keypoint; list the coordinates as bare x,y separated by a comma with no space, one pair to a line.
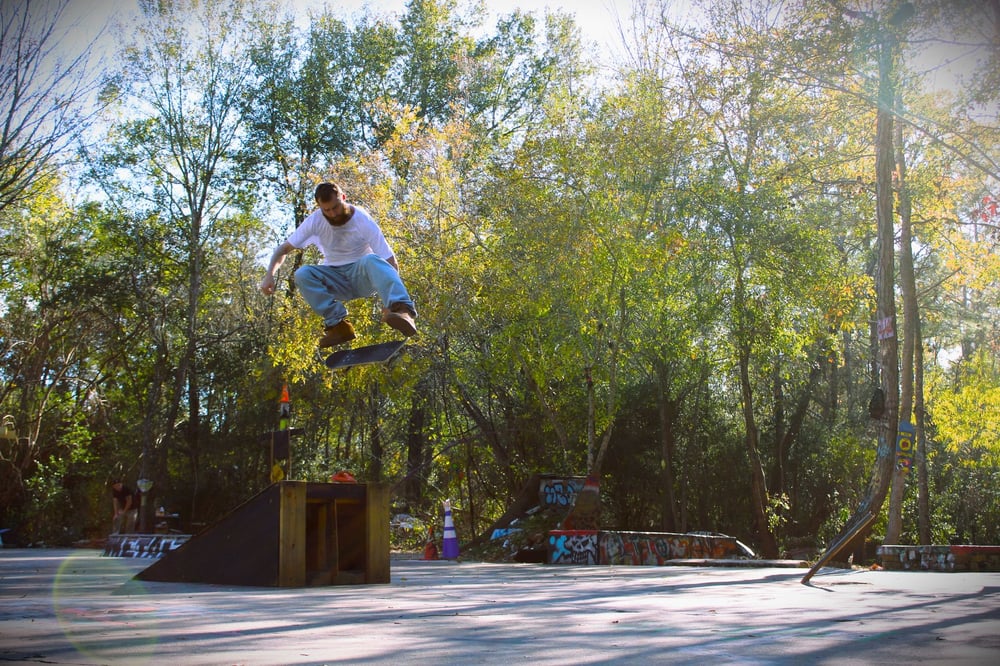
240,549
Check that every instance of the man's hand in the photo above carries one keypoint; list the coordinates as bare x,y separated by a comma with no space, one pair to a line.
267,284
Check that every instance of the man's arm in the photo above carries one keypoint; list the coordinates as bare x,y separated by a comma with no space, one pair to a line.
392,262
277,259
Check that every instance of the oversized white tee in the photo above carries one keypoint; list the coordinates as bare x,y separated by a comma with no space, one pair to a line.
345,244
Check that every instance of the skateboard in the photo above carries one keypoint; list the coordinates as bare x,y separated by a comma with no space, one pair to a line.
380,353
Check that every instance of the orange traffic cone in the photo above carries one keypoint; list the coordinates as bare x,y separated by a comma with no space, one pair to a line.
431,549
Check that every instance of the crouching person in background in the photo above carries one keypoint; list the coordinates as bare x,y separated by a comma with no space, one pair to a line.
125,503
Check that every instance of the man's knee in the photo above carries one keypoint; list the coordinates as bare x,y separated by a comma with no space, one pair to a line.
369,260
304,275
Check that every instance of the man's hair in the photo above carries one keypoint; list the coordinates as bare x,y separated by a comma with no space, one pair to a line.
327,192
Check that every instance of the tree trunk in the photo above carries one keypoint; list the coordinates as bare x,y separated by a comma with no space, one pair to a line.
501,453
195,281
923,498
413,485
885,290
795,422
377,447
668,445
910,324
854,532
758,482
150,429
778,419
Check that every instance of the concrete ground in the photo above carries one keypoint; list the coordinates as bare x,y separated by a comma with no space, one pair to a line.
77,607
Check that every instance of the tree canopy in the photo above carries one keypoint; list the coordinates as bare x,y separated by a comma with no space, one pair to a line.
668,267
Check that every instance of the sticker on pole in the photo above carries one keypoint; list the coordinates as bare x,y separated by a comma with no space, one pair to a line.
905,447
885,329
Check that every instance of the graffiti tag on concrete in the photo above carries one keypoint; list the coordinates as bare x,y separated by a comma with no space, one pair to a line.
637,548
558,492
573,547
143,545
940,558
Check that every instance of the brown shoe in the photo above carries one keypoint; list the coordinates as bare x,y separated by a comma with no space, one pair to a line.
399,317
337,334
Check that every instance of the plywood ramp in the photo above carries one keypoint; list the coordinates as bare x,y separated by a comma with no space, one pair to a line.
291,534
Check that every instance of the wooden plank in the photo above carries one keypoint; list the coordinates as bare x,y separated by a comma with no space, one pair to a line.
334,540
352,542
339,491
322,529
292,535
377,522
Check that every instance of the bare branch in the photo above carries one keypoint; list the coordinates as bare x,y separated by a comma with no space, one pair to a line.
43,95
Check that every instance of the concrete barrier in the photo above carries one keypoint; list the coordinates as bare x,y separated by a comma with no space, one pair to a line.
964,557
639,548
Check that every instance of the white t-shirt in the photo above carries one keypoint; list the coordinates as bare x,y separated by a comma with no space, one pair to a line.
345,244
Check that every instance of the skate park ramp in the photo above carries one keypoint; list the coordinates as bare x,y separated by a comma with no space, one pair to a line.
567,538
291,534
554,493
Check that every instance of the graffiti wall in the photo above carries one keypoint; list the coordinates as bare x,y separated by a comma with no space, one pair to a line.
940,558
633,548
143,545
637,548
556,493
657,548
574,547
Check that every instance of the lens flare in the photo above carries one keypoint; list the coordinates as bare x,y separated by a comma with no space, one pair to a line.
117,624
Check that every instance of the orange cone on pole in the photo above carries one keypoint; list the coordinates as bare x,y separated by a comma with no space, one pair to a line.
284,409
449,549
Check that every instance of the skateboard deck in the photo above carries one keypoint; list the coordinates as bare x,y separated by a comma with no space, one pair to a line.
380,353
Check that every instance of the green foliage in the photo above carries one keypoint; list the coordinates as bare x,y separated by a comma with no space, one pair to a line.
965,499
777,509
967,417
663,275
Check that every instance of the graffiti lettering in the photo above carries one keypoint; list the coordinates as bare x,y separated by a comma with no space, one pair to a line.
558,492
573,547
655,548
144,546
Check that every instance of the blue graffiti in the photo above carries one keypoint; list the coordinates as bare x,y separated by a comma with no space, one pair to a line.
573,548
558,492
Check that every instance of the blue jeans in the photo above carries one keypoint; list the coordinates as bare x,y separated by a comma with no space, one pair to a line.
326,288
